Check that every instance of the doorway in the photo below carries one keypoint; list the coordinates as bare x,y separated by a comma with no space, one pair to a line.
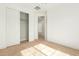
24,27
41,27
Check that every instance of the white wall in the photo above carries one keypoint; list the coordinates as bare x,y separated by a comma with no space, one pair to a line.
27,9
63,25
36,26
6,38
12,26
33,17
33,22
2,27
31,27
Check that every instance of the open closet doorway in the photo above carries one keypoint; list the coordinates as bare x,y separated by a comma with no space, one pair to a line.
41,27
24,27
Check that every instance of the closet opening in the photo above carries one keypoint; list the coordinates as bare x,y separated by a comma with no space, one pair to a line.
24,27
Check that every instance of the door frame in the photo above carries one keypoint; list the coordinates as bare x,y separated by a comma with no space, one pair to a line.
45,32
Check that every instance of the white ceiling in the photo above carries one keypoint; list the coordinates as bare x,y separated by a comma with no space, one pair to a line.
27,6
43,6
30,6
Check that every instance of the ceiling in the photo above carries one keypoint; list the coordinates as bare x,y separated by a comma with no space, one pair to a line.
31,6
27,6
43,6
